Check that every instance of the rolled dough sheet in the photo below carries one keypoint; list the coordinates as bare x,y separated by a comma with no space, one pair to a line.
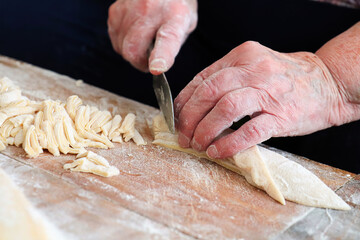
18,219
276,175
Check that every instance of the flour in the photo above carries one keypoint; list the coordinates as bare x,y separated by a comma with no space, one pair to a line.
18,219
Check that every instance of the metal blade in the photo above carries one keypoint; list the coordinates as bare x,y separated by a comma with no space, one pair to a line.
164,99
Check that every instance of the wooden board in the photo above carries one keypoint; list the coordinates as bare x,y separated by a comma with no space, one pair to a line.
160,193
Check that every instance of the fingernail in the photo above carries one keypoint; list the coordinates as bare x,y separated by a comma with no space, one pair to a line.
158,65
183,140
212,151
195,145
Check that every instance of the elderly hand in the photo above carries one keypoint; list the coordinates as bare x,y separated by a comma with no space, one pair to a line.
285,95
133,25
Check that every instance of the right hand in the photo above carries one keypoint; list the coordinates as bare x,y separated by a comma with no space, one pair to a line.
286,94
133,24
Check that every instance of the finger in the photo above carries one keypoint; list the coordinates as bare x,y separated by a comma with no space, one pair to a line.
188,91
204,98
115,19
178,22
244,55
231,108
169,39
137,41
185,95
114,39
253,132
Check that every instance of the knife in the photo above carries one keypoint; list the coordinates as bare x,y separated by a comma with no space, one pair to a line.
164,97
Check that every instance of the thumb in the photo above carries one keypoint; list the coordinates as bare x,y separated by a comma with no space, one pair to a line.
169,39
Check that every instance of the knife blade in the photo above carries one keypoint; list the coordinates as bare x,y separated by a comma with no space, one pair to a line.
164,99
163,96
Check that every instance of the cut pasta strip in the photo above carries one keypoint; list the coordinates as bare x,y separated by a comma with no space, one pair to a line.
62,127
85,165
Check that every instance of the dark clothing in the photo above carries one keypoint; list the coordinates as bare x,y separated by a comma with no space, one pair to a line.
70,37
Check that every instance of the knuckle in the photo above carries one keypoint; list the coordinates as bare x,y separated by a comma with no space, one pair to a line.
208,89
212,84
251,45
212,87
252,133
145,7
128,54
200,76
130,49
228,102
228,108
225,74
112,12
251,50
193,24
179,9
205,73
268,65
171,32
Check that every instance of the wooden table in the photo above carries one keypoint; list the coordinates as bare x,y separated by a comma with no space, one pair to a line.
161,193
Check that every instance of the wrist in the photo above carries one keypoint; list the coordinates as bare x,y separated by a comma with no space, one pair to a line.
341,56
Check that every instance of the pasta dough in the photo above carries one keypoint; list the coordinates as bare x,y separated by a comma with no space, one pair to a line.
278,176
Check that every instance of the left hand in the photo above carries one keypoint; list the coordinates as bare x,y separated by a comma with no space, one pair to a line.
285,94
134,24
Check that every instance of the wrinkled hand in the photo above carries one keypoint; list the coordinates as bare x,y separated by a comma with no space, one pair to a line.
133,25
284,94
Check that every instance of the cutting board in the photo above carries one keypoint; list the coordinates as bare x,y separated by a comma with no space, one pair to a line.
160,193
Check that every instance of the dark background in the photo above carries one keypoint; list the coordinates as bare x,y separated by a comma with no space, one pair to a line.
70,37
